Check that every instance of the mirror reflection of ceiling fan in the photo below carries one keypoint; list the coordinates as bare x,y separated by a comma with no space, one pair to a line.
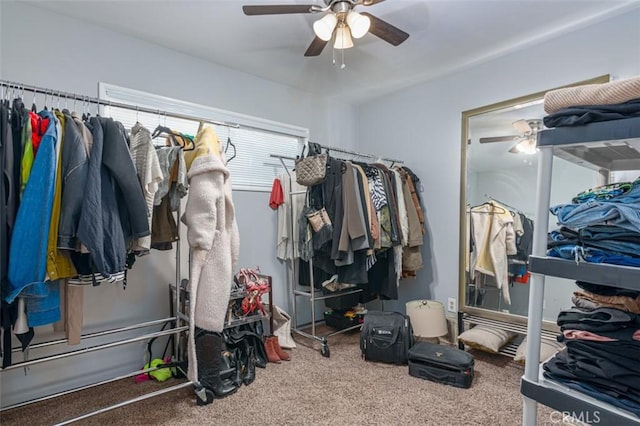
341,22
525,142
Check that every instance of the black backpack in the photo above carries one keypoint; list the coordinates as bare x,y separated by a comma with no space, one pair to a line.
386,337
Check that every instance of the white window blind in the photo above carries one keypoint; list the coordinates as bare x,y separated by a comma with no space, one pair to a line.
255,140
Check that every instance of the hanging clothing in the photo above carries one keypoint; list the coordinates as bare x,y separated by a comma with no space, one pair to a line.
8,312
174,175
26,161
172,188
494,239
206,143
288,238
6,188
276,198
28,251
403,214
213,236
74,173
114,209
145,160
59,263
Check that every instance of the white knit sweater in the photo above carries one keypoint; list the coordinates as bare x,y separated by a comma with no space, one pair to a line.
213,237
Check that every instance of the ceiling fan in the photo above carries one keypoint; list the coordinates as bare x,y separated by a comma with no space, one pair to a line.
342,21
525,142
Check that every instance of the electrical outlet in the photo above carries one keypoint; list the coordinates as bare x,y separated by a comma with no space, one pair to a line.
452,305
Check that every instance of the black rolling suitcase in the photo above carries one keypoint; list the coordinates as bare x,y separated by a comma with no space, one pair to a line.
442,364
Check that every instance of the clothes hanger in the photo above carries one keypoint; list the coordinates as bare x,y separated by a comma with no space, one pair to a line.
85,114
491,212
34,109
174,137
227,147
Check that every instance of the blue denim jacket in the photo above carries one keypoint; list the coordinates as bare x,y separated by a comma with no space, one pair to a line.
28,250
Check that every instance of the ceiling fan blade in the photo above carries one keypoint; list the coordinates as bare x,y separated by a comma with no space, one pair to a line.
277,9
385,30
316,46
498,139
522,126
371,2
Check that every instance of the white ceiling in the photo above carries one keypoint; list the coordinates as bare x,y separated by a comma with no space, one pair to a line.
444,36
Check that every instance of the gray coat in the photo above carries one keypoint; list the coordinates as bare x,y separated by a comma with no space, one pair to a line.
113,209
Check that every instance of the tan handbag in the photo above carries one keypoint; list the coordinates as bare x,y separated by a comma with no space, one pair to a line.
318,219
311,170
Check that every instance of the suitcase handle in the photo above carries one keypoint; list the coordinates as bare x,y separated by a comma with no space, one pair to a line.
427,375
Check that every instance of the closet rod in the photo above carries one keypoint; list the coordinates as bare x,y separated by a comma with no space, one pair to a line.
346,151
73,96
391,160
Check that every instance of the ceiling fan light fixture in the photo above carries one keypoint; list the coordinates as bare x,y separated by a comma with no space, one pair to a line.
527,146
343,38
358,24
324,26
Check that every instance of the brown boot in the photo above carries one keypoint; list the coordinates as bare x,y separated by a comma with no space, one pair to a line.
272,355
284,356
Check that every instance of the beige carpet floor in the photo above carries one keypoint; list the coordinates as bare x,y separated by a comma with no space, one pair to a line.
310,390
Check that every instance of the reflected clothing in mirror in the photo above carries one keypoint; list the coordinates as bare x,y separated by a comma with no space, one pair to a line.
494,240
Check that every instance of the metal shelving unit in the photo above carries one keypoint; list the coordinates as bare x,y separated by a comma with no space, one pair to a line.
603,146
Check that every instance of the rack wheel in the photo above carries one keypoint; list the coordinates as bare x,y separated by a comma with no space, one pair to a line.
203,396
324,350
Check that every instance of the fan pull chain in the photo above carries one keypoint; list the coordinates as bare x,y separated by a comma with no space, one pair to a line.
333,54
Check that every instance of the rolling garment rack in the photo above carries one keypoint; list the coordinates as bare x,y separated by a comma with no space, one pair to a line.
313,295
178,321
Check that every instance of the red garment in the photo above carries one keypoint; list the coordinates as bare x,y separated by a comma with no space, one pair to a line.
277,195
38,128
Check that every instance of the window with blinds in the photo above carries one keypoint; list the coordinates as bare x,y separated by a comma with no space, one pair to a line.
255,140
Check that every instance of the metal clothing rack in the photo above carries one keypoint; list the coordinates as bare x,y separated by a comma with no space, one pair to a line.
313,295
178,320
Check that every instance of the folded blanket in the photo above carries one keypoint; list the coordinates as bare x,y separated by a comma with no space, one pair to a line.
623,303
614,92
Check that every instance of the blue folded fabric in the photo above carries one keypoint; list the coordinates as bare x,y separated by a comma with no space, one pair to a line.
620,401
587,254
622,210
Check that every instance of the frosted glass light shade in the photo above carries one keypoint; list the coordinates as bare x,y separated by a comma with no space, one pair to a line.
527,146
427,318
324,26
358,24
343,38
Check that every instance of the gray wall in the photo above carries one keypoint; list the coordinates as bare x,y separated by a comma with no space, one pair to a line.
427,118
45,49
